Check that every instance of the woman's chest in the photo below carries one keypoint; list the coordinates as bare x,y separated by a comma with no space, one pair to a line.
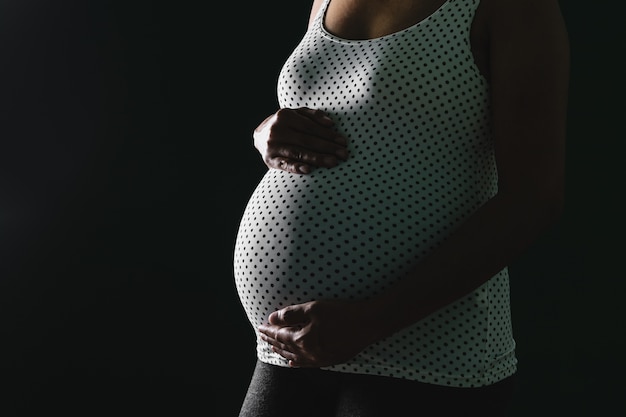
359,19
371,19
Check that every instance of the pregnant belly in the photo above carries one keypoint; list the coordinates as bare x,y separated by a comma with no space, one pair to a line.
328,235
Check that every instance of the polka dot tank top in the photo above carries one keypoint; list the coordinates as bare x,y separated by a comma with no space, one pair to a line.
416,112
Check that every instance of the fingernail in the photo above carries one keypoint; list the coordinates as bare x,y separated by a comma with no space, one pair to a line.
305,169
341,139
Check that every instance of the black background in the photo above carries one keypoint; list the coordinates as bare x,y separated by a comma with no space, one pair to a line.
126,161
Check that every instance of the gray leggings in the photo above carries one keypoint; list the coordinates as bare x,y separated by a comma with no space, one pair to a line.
275,391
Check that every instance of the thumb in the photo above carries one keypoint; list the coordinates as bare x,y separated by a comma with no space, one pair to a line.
289,316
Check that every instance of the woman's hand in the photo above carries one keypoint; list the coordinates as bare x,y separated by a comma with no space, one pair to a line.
299,140
320,333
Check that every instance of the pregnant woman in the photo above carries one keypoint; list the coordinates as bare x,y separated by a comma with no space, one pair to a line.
418,149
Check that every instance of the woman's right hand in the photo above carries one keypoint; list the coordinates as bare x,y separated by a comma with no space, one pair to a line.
299,140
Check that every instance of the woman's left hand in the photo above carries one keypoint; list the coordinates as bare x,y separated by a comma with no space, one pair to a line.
320,333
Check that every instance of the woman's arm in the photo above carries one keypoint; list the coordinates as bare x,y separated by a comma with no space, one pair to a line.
529,67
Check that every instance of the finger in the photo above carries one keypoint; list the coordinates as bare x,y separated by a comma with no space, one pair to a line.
317,115
305,140
290,356
319,120
298,362
273,342
287,354
303,360
328,157
288,351
298,142
280,336
324,119
304,147
295,360
267,331
292,352
310,125
289,165
294,315
306,164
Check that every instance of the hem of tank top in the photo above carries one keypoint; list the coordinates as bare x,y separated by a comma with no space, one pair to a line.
488,376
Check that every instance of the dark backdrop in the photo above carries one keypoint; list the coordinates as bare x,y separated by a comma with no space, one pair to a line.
126,160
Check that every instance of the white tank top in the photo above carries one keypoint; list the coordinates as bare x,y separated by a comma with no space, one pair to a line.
416,112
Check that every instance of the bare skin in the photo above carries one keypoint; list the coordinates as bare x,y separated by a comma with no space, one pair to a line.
297,140
521,47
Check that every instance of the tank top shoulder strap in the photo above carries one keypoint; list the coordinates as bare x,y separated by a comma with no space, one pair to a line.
319,16
465,9
467,5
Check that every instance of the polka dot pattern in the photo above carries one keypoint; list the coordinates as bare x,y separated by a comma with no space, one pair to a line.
415,109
